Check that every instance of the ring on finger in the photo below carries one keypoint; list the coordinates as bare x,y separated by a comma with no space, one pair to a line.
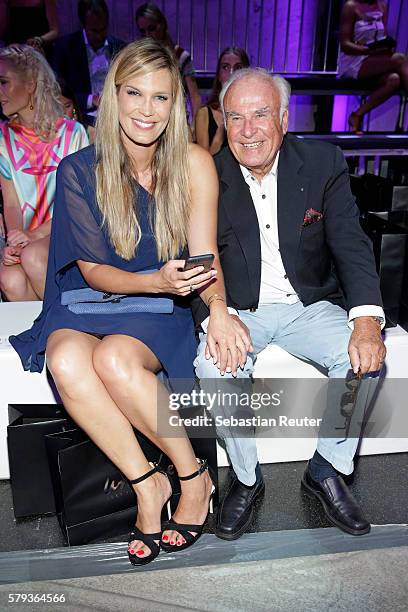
192,288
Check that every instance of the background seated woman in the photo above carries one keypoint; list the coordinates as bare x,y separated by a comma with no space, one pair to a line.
364,23
32,143
209,124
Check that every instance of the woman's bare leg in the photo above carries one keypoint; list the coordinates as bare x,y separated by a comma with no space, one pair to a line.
34,259
390,72
127,368
15,285
379,65
70,359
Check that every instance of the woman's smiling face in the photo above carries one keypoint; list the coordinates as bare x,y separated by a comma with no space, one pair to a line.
145,102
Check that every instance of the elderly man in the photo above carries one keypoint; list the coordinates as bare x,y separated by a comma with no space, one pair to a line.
287,220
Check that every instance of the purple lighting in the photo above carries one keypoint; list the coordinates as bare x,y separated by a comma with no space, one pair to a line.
340,113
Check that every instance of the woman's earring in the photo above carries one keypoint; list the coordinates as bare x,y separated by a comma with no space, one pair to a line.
74,114
31,104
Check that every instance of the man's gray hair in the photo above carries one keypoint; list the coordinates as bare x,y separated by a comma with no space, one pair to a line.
281,84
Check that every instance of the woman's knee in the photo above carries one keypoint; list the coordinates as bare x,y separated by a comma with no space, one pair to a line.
393,81
115,363
33,260
399,60
66,360
13,282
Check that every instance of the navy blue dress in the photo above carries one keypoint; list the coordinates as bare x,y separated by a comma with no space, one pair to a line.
77,234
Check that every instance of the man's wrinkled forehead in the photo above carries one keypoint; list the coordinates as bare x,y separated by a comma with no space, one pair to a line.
252,93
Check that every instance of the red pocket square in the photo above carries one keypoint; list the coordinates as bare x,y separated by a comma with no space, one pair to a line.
311,216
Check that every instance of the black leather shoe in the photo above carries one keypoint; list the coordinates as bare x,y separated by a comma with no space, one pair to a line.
338,503
237,508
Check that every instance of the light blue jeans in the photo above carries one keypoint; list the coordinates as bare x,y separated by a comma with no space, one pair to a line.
317,333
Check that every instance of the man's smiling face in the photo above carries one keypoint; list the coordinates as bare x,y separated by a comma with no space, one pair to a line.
254,129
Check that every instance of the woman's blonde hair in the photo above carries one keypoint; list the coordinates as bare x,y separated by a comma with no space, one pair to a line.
115,172
30,65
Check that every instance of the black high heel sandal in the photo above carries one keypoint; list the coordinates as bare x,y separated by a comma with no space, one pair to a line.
182,528
148,539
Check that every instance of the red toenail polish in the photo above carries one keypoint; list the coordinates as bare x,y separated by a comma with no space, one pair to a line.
132,552
140,552
165,538
172,542
179,543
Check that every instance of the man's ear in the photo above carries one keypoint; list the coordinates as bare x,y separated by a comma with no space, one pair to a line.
285,121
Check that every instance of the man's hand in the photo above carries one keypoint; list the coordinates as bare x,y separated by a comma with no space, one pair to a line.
366,348
228,341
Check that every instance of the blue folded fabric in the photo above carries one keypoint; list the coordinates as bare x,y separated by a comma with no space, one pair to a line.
91,301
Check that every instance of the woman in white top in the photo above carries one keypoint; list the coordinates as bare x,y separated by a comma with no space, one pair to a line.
363,23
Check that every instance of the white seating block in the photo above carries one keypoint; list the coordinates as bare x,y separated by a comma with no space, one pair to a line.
19,387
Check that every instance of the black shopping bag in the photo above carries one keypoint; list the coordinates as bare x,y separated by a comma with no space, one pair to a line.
31,483
93,498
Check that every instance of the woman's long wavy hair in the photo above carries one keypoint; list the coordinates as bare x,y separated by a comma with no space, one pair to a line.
115,171
29,65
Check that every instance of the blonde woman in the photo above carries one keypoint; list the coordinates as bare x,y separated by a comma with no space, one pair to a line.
32,143
124,208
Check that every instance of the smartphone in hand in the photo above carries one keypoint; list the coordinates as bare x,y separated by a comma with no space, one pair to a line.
199,260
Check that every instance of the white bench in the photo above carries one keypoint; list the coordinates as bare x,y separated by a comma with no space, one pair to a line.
16,385
19,387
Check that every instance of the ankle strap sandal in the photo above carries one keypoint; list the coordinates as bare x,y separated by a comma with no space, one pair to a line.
184,529
149,539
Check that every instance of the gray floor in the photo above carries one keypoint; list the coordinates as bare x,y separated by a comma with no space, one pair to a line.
379,484
362,581
291,560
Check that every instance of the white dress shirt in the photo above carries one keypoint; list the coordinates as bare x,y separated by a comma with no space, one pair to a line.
275,285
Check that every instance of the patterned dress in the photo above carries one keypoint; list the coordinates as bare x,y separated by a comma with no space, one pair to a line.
32,163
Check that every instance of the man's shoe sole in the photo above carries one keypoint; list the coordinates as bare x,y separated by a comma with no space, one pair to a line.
310,492
241,530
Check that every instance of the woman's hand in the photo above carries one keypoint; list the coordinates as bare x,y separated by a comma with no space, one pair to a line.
228,340
171,279
11,256
19,238
36,42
